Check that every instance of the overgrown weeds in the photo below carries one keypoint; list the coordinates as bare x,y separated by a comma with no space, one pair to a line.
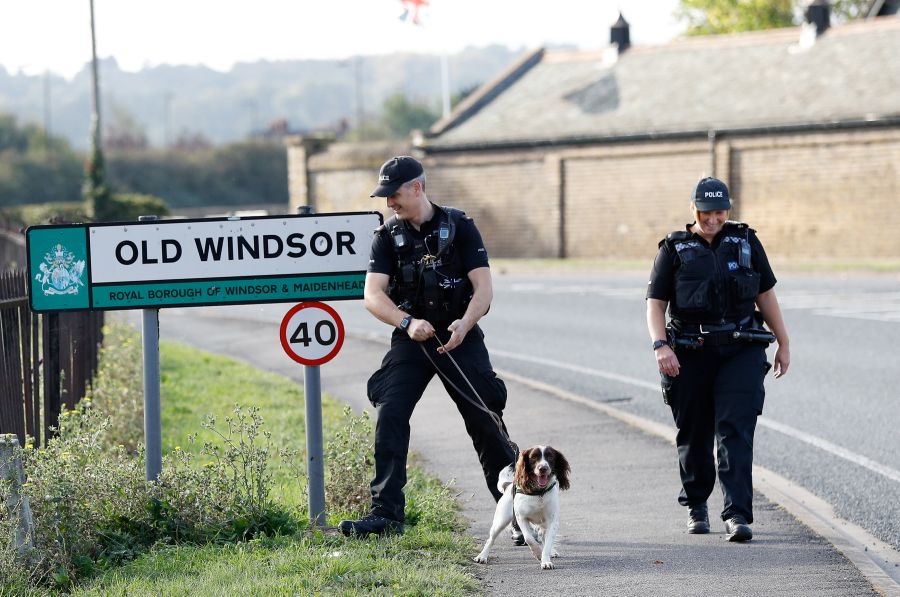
350,465
92,507
117,389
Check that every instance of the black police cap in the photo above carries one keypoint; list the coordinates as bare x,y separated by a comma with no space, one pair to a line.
711,194
394,173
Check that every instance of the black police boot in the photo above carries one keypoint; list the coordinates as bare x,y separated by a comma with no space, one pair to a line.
517,537
737,529
698,521
370,525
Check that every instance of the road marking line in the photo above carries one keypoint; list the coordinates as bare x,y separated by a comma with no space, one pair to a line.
577,369
817,442
831,448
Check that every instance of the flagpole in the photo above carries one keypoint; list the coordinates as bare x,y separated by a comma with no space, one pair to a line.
411,15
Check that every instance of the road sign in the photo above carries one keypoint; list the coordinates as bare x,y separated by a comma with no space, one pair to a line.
312,333
210,261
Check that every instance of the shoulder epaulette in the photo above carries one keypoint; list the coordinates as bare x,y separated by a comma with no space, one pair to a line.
679,235
454,213
673,237
740,225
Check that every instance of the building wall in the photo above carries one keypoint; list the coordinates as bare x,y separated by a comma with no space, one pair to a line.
808,195
339,177
513,198
619,201
826,195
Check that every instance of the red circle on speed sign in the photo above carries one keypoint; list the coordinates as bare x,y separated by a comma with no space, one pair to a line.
312,333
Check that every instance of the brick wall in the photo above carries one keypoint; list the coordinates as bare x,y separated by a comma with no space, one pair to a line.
809,195
621,201
341,176
826,195
513,198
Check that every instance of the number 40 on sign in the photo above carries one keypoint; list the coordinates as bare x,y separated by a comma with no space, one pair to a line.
312,333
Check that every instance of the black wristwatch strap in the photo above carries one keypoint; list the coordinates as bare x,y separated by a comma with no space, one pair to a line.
659,344
404,323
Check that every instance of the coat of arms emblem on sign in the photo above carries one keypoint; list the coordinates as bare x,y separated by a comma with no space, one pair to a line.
60,272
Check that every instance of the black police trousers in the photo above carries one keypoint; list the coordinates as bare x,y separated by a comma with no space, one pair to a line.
396,388
715,400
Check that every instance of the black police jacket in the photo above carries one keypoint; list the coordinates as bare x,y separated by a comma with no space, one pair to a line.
430,281
714,286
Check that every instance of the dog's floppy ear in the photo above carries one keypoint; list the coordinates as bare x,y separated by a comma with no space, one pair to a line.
522,469
560,468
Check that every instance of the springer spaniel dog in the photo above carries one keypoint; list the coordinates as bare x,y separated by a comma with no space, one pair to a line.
531,494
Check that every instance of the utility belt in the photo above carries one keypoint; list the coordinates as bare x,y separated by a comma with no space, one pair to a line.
440,314
699,335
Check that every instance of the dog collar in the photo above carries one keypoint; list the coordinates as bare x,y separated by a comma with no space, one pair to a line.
539,492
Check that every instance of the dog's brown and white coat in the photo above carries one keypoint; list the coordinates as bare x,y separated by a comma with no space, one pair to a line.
531,494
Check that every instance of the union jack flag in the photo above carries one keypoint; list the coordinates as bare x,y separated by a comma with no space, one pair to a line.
411,11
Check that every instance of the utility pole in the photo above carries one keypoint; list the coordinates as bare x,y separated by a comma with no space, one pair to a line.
95,191
167,119
360,109
48,148
95,95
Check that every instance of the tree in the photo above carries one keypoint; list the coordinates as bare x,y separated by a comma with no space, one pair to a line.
124,133
847,10
34,166
706,17
463,93
401,116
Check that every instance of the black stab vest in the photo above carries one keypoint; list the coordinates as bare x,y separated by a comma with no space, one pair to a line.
713,286
430,281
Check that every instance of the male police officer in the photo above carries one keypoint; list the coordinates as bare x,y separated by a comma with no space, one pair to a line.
429,279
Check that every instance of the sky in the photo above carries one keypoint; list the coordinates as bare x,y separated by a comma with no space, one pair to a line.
37,36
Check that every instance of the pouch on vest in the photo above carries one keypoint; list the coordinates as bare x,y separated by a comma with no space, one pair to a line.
744,285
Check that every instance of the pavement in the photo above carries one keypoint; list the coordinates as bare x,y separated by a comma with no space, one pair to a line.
622,531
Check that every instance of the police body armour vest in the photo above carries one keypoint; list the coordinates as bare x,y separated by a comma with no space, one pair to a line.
430,281
714,286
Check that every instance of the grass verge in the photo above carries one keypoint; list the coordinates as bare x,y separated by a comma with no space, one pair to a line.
430,559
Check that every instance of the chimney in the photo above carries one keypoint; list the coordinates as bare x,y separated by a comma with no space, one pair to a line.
818,13
618,34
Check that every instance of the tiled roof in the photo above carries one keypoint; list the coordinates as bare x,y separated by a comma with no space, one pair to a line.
722,82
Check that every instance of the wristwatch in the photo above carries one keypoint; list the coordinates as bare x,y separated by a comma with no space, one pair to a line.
659,344
404,323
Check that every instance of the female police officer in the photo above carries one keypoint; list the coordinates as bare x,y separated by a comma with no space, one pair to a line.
711,356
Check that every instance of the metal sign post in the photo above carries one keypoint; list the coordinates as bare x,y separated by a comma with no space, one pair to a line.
152,406
312,334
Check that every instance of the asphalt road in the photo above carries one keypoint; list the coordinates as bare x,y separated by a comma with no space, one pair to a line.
832,425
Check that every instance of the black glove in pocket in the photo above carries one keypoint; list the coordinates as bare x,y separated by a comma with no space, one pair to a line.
667,383
376,385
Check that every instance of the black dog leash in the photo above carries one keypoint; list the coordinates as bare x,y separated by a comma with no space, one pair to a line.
480,404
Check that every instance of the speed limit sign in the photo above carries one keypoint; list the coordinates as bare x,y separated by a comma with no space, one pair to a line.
312,333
